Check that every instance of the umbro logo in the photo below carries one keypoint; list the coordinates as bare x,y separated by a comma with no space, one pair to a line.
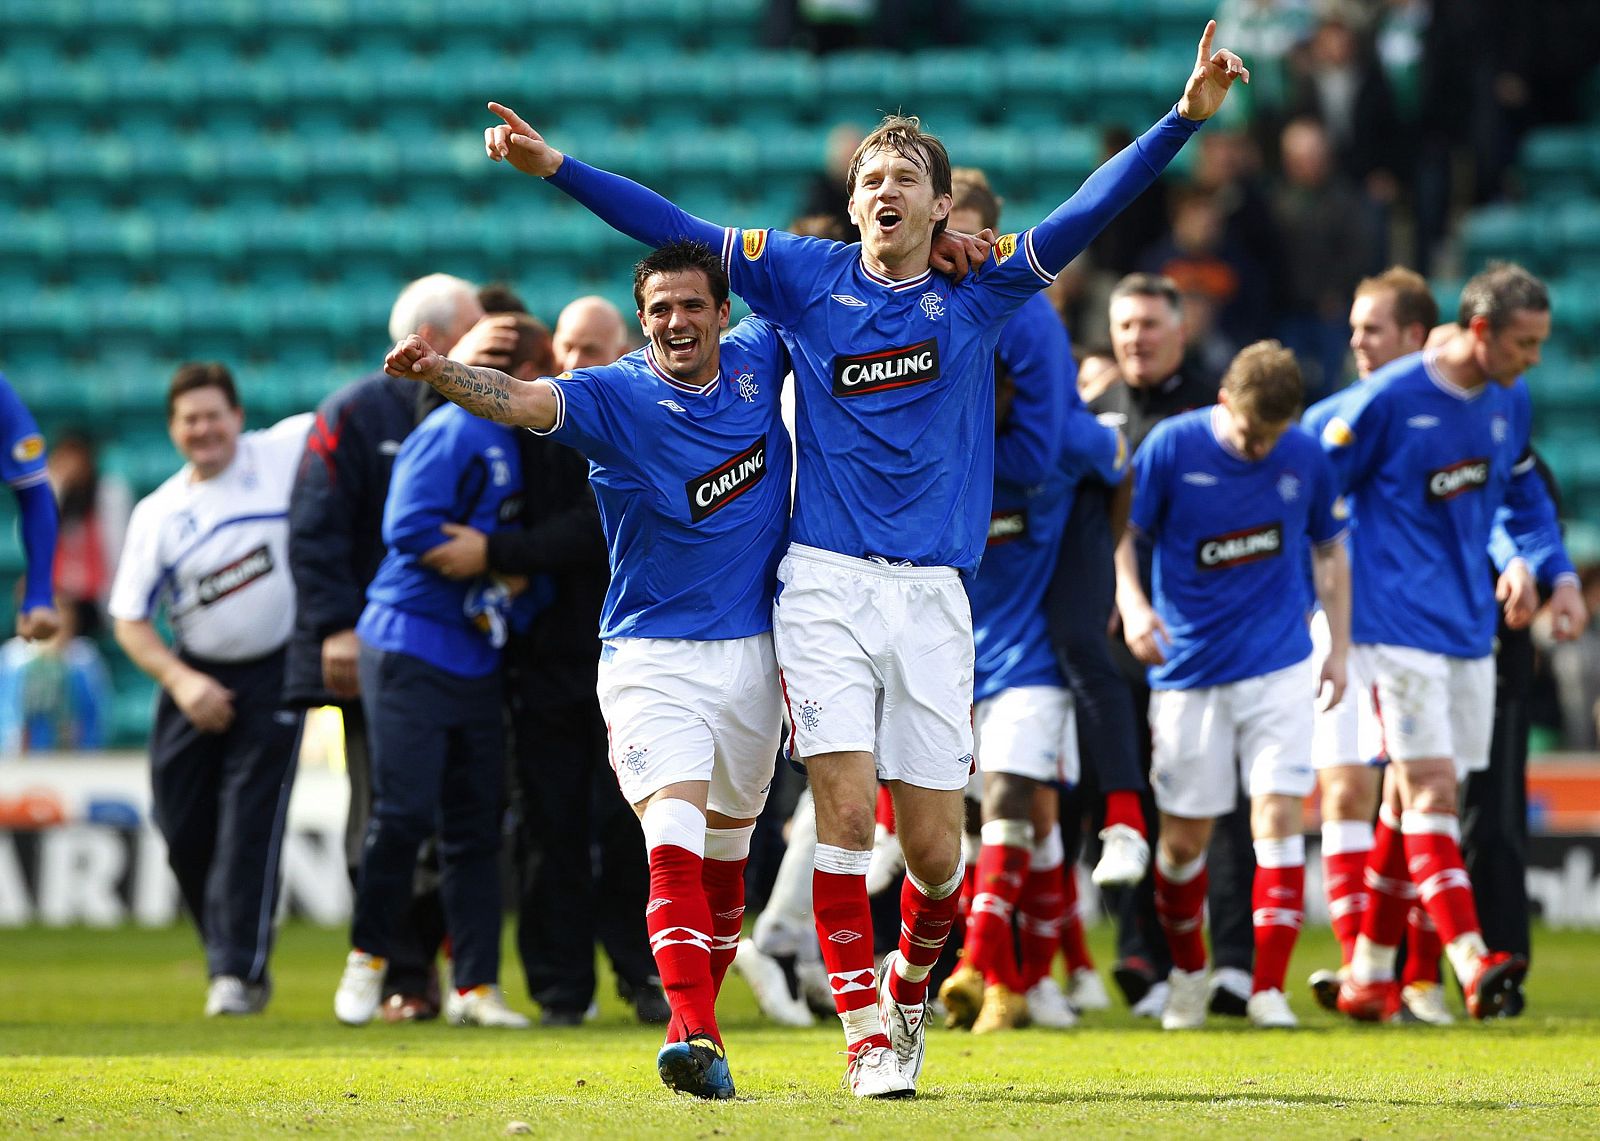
1200,478
656,905
841,937
671,405
1423,421
846,299
389,448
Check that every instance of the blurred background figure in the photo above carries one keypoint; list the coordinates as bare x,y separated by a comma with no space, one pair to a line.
1576,667
94,507
55,693
22,466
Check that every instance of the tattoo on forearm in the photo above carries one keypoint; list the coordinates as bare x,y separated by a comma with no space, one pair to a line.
481,391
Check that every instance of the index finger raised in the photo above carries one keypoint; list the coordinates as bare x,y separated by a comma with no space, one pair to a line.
1205,44
512,119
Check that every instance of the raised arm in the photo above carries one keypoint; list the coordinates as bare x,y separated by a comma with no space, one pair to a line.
1074,224
484,392
621,203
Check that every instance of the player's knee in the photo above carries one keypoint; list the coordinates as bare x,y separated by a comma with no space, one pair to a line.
1181,849
846,825
1007,797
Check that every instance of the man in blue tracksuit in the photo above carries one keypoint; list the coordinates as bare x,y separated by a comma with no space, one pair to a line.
429,659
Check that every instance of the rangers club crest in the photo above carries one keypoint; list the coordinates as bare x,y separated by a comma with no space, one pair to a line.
747,387
932,305
1289,487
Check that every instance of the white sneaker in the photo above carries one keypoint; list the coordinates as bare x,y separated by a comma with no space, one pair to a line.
1269,1009
1124,857
771,988
1186,1002
360,988
1086,992
1048,1006
906,1025
876,1073
484,1005
1425,1003
228,995
888,861
1153,1003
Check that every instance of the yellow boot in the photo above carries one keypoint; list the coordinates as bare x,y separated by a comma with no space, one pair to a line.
1003,1009
962,995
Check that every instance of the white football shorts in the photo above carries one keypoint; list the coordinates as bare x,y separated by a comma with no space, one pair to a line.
1430,705
1349,733
877,659
679,710
1029,731
1208,741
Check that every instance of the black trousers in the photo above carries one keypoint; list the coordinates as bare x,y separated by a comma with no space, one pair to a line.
584,871
221,800
1494,828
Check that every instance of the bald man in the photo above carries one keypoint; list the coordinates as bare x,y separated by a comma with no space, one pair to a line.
590,332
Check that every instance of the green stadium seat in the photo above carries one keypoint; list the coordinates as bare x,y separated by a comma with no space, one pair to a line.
1508,232
1561,162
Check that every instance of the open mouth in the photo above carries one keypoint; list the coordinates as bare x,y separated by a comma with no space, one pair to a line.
889,221
680,346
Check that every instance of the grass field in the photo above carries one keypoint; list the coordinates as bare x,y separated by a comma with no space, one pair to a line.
100,1032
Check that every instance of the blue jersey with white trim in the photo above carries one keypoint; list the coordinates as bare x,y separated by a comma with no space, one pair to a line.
1231,539
1010,631
1427,465
894,392
692,485
22,460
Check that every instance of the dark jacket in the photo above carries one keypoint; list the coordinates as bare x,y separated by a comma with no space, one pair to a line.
336,517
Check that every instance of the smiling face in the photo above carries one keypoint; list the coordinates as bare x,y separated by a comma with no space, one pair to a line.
894,203
1147,338
205,429
683,323
1376,336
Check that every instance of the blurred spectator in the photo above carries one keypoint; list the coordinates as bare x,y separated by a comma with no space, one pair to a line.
54,693
94,509
1339,82
1576,666
891,25
589,331
1328,247
824,194
1096,373
1229,166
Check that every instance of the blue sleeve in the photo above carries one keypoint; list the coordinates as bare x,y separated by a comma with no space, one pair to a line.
1093,450
1150,481
1527,525
38,505
21,446
1033,346
595,414
1329,517
632,209
1350,426
432,475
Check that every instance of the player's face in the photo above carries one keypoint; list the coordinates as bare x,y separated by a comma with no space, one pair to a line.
587,336
895,207
683,324
1375,336
1514,349
1147,338
1247,433
205,430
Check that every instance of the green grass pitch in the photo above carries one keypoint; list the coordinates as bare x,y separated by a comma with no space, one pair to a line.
101,1032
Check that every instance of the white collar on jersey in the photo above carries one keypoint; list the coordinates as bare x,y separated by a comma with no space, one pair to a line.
1430,363
1222,441
705,389
877,278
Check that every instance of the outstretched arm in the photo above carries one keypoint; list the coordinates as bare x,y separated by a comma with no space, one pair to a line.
484,392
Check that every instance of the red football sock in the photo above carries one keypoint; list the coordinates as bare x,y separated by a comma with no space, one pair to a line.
1180,905
1041,913
1074,947
926,917
1389,884
883,813
1125,808
1433,854
1346,845
844,928
1277,904
724,885
679,922
1423,948
1002,864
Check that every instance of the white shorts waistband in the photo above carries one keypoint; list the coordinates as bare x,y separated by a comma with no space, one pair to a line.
872,566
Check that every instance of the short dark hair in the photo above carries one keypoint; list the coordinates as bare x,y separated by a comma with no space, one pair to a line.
1414,303
500,297
201,374
1264,378
971,190
1149,285
533,345
1500,290
676,257
903,134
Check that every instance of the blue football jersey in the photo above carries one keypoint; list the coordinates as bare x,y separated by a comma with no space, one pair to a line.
1231,537
1426,466
692,485
1010,631
894,383
22,460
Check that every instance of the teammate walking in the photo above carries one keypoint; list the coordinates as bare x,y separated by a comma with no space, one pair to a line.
690,465
895,411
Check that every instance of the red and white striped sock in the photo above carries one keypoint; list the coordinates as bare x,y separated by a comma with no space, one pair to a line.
1181,906
1423,947
844,929
678,917
727,853
1002,864
1346,845
1433,853
1043,911
1389,885
927,914
1277,907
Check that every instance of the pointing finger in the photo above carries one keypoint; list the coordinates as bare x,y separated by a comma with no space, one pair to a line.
1205,45
512,119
